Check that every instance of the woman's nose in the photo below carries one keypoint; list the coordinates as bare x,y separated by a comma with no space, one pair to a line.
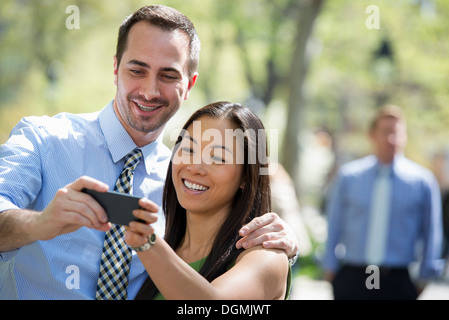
196,168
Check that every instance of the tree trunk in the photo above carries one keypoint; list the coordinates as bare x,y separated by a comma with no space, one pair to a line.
308,11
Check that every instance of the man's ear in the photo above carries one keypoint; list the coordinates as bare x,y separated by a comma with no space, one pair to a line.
115,70
190,85
371,135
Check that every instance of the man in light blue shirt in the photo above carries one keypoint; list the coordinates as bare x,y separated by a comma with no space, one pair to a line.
411,229
51,233
45,154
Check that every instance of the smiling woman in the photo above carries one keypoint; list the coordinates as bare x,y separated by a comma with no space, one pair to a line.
208,185
209,195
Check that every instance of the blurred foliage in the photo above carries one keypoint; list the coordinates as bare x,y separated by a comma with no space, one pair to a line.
346,86
247,52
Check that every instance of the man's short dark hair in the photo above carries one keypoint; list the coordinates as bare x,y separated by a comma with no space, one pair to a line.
387,111
166,18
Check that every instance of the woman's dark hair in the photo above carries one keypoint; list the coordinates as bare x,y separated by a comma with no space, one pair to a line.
251,201
166,18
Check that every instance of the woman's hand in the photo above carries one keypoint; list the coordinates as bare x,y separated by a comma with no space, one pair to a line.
137,233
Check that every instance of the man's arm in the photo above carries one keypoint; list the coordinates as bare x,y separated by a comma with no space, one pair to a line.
333,213
432,262
69,210
13,226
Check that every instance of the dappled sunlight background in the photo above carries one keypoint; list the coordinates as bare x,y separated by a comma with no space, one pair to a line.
322,59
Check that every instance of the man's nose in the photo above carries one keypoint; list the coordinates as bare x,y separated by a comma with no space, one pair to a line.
150,88
392,138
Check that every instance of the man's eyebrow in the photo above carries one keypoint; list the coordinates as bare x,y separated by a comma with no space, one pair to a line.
145,65
171,69
139,63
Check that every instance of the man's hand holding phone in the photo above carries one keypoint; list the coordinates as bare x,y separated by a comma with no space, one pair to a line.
72,208
136,214
69,210
122,208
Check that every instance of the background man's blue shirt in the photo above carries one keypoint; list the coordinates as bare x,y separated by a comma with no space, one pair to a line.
415,224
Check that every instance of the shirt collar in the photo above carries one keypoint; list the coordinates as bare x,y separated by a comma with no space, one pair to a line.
393,166
119,141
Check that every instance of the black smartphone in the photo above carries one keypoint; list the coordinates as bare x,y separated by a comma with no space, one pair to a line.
118,206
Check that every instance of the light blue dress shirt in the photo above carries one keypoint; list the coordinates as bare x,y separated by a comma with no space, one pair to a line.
415,223
42,155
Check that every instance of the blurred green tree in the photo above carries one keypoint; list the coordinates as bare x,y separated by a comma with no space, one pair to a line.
301,64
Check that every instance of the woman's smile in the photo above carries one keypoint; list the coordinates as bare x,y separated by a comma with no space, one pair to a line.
194,186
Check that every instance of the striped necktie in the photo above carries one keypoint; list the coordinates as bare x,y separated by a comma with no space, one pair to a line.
116,257
379,216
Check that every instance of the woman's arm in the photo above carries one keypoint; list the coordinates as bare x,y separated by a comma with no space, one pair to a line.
258,273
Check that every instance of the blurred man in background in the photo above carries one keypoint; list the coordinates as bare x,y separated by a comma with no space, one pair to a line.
383,211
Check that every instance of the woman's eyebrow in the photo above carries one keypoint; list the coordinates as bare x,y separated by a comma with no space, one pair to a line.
217,146
191,139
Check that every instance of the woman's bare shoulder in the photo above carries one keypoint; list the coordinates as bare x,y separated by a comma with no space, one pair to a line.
262,254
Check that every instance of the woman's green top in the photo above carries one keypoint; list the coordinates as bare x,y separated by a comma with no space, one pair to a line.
197,265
